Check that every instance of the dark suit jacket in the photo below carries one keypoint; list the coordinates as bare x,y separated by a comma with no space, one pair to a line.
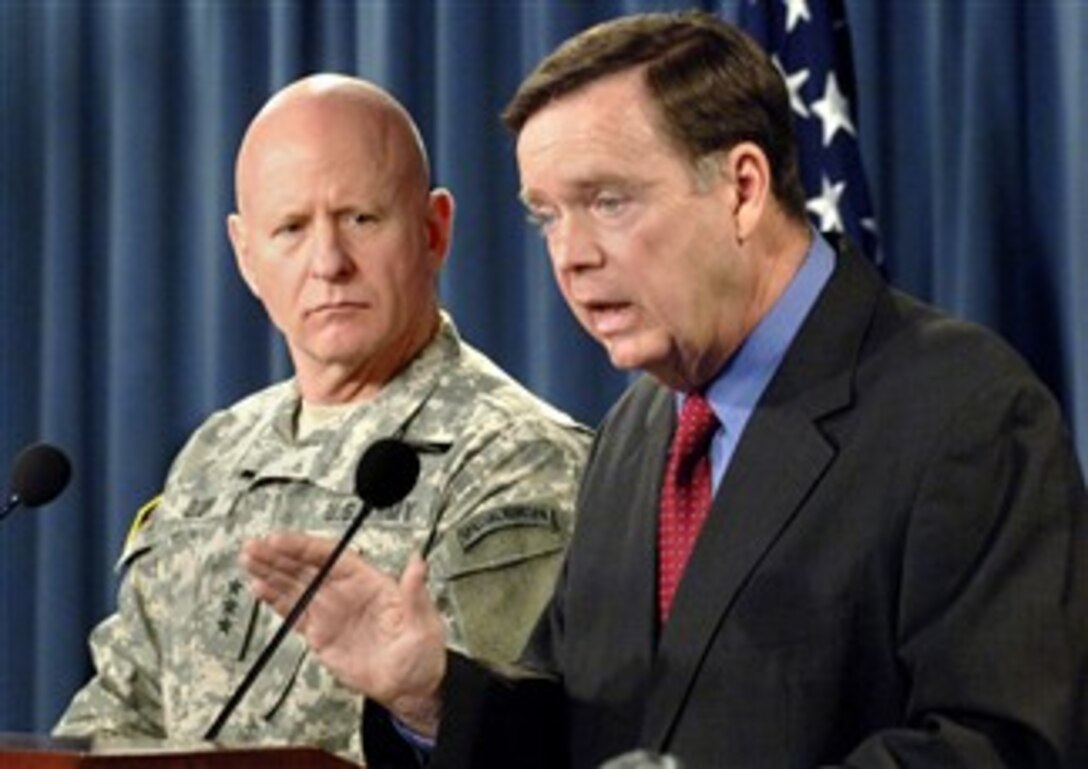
894,571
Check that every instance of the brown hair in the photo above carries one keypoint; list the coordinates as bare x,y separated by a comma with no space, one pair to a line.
715,87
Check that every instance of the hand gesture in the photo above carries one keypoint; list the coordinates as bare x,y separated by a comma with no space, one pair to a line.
382,637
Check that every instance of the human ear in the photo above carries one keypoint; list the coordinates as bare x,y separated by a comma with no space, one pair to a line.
750,172
440,208
236,230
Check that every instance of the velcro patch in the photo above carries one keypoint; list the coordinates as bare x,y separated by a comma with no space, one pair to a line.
141,519
135,543
472,531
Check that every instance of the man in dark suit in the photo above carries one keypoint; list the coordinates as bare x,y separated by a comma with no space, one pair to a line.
894,567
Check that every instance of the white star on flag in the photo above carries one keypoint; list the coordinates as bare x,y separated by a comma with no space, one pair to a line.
826,205
809,43
833,110
796,11
794,82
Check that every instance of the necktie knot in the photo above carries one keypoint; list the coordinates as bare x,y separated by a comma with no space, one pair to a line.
695,427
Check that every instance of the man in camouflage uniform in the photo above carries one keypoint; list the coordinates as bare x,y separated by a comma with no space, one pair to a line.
340,236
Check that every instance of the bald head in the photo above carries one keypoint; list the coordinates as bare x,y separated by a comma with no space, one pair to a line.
339,234
329,107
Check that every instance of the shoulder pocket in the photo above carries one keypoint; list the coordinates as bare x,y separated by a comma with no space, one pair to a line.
494,573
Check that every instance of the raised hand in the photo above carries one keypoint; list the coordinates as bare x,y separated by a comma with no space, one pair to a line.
382,637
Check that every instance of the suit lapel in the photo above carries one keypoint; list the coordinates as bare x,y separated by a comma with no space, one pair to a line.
641,500
611,595
748,516
781,457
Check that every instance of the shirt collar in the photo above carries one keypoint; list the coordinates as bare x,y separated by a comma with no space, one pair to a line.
734,392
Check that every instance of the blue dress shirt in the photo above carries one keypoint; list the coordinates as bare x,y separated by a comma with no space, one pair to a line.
737,388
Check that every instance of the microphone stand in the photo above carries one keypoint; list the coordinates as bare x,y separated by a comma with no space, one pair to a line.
9,506
288,622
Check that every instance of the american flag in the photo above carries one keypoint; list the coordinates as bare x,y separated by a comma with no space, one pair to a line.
809,41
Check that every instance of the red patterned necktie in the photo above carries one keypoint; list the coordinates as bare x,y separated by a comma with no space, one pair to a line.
685,495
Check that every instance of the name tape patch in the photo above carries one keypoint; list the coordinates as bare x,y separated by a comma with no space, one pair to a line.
471,532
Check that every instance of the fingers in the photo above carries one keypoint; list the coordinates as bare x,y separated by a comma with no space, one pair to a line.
417,601
281,565
413,584
276,590
287,552
414,576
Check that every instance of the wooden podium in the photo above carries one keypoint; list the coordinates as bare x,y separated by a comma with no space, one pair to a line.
26,751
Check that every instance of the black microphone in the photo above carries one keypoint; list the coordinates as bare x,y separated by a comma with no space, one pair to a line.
386,473
39,474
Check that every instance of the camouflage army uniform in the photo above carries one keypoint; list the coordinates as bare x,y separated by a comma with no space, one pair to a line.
497,486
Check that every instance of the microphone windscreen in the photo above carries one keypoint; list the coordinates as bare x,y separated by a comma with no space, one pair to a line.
40,473
386,473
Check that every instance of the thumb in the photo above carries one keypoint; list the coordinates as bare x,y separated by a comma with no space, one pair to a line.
414,576
413,583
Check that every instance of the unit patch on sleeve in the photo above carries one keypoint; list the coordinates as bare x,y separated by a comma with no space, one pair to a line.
472,531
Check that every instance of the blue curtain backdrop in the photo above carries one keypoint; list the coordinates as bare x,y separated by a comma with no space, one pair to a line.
123,323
